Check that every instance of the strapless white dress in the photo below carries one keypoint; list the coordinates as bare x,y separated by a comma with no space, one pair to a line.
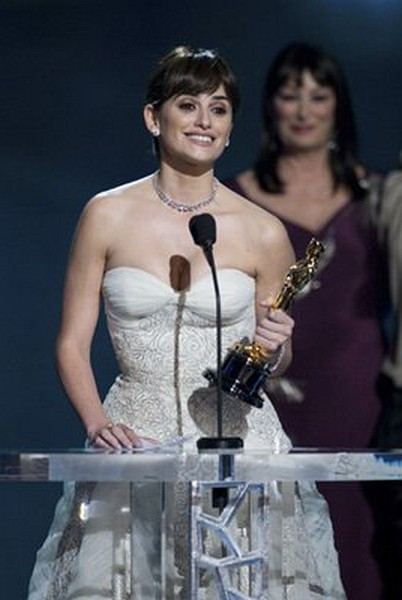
163,341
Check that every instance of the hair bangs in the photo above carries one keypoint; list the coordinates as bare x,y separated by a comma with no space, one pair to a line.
195,77
193,72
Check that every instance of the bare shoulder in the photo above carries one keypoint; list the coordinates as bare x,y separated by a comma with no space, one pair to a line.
113,205
257,219
120,195
272,235
262,233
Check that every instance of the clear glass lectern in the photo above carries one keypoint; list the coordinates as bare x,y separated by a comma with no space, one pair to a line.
226,539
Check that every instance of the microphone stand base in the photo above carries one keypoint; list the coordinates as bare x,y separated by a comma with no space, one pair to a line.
219,443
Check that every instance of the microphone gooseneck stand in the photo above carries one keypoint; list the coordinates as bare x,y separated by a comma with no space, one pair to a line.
203,231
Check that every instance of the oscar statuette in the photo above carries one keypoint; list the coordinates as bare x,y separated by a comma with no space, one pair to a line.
247,364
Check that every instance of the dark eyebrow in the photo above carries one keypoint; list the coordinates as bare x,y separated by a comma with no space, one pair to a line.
221,98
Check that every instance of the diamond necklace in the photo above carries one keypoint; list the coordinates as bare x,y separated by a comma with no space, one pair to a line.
183,208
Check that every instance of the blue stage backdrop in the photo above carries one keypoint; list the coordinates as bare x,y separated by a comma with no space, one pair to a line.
73,78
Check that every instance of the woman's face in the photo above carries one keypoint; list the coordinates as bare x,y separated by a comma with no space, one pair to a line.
305,114
193,129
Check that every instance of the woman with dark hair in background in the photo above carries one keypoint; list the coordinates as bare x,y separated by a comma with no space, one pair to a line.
307,173
134,247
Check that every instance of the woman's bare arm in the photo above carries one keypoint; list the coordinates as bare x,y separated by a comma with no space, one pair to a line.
274,327
80,312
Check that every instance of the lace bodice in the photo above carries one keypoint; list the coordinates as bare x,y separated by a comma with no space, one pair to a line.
164,340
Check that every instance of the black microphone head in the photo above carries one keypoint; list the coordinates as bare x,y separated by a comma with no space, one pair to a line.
203,229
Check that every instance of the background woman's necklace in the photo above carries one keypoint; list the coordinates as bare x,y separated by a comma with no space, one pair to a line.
183,208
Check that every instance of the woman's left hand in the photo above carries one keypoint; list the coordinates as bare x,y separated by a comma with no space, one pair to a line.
274,330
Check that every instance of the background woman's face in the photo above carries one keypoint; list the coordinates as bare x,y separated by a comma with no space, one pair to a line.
305,113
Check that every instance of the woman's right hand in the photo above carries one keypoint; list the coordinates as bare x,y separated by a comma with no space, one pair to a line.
116,436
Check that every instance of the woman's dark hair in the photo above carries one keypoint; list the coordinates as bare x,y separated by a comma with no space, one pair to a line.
188,71
290,64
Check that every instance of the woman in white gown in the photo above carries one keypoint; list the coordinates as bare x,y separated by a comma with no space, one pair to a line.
134,248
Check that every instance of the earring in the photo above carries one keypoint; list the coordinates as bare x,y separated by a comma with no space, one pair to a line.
227,143
155,132
332,145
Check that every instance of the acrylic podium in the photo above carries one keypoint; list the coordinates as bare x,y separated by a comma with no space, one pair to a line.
239,527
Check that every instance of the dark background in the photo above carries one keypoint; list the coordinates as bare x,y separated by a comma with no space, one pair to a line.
73,76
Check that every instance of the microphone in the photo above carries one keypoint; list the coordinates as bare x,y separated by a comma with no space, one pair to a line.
203,230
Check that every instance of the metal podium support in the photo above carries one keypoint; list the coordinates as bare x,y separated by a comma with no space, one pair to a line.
230,547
